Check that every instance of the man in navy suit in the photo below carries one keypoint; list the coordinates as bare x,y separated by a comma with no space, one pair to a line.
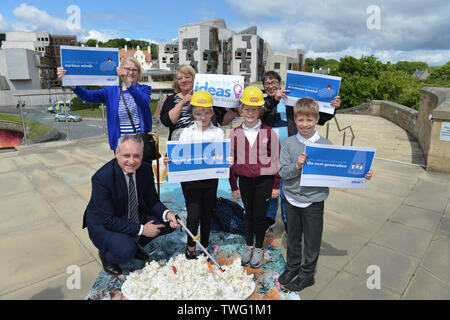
117,222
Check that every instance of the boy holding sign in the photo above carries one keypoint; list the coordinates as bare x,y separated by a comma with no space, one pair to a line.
304,205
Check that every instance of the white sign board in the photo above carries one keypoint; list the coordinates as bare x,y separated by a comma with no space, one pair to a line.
445,131
225,89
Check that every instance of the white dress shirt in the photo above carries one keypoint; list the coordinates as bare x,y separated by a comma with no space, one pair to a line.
251,133
194,133
135,187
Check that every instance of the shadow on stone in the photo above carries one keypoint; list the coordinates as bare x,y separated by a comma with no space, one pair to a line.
48,294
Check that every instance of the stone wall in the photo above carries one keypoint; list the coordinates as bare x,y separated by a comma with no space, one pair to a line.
424,125
434,102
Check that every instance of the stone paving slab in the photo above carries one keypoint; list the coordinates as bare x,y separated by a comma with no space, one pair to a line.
61,286
350,287
401,220
38,252
437,259
13,183
406,240
23,210
416,217
425,286
430,195
396,269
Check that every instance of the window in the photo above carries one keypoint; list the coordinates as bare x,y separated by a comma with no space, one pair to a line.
163,59
276,65
290,66
238,55
205,56
249,54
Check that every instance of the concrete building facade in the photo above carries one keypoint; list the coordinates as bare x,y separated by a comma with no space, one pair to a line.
283,61
168,56
210,47
36,41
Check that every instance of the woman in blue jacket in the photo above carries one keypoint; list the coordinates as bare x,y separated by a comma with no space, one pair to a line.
137,97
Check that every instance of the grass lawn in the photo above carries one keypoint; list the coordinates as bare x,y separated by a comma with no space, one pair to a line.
37,129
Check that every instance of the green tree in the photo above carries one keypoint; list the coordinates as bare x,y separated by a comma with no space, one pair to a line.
441,73
411,66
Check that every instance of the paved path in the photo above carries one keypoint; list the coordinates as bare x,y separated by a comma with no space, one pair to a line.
400,222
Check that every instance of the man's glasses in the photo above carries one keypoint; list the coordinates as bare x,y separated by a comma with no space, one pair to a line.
271,84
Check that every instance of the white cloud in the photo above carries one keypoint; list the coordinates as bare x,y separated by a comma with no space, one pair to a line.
34,19
102,36
332,27
3,24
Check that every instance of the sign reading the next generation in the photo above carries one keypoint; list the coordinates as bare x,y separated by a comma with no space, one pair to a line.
90,66
336,166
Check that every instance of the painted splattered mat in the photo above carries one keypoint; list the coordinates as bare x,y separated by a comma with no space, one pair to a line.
225,247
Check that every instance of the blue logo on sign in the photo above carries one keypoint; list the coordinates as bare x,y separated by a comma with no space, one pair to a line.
219,92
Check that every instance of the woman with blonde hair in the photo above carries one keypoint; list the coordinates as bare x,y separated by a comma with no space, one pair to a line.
176,112
127,105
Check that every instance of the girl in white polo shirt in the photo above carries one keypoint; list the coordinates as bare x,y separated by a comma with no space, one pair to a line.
200,196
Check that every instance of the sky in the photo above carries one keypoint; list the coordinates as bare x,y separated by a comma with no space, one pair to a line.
411,30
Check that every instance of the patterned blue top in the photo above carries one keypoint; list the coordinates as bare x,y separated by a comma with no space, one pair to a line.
124,120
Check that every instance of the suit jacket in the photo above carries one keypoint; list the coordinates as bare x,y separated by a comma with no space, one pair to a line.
107,210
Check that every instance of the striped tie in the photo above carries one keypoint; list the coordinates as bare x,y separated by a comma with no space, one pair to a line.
133,214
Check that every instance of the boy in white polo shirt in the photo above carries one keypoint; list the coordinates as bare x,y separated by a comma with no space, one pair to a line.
304,205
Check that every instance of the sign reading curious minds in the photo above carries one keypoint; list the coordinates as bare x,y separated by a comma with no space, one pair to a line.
90,66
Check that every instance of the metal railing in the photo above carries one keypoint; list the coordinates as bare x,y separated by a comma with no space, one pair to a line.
22,103
340,130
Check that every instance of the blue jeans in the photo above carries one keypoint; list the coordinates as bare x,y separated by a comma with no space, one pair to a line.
272,207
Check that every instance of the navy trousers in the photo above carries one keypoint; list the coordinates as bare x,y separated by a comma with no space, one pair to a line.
121,247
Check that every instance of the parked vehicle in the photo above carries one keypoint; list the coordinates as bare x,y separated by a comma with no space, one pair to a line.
70,117
58,106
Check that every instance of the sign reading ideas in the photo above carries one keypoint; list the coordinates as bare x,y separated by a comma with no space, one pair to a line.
225,89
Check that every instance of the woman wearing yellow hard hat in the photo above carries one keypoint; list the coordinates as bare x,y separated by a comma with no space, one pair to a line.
200,196
255,149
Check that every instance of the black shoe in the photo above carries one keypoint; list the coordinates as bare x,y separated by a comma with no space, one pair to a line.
112,269
299,284
190,254
140,254
287,277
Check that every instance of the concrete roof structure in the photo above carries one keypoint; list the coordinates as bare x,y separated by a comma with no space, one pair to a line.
400,222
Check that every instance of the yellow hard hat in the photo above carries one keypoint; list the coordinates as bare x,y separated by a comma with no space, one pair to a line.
252,96
202,99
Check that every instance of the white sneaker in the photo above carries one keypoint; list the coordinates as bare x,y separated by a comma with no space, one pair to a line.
257,258
246,255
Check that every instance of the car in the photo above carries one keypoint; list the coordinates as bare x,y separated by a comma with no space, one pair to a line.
58,106
70,117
